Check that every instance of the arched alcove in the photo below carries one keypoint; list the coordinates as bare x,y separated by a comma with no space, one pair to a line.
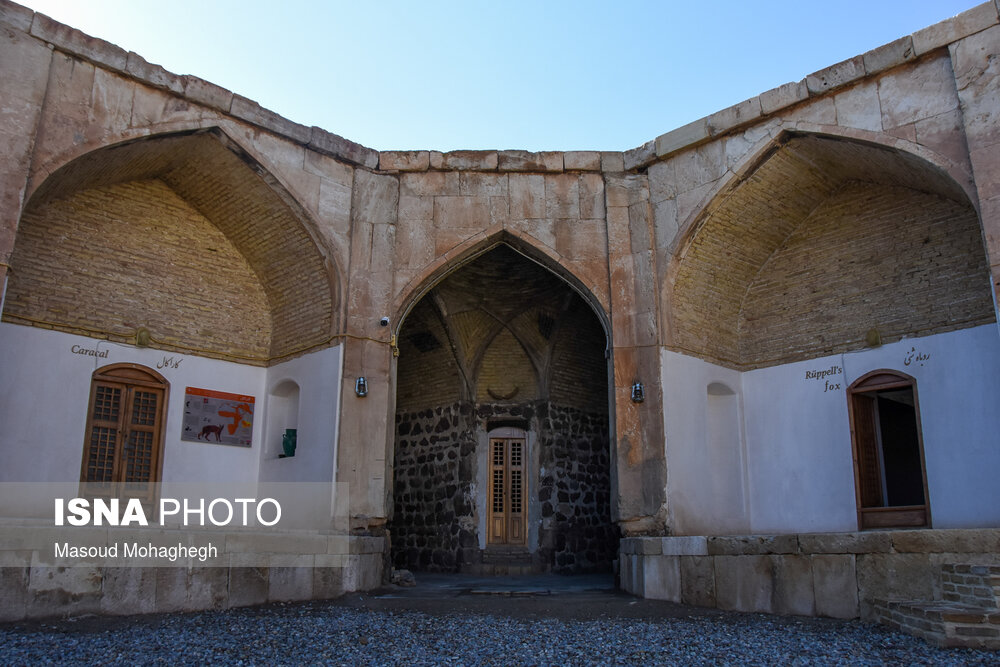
502,343
282,416
822,242
183,235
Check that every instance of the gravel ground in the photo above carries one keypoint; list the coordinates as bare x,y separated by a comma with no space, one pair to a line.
348,632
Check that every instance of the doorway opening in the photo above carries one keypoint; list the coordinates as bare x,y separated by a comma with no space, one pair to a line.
508,515
890,476
502,455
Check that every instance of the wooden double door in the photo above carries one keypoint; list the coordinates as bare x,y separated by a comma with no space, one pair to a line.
507,501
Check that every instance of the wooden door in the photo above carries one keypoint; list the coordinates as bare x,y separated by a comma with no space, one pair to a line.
508,514
122,452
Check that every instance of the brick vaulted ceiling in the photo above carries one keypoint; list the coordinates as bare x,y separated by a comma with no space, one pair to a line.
824,241
492,325
240,199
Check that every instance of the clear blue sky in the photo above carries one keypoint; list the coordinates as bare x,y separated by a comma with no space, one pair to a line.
533,75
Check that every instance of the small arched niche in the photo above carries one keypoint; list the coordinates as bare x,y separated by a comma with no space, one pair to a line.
282,416
724,456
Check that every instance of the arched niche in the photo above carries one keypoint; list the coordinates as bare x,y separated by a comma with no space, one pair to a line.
817,244
282,417
184,235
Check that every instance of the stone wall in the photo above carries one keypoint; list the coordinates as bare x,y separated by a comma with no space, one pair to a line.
246,569
577,534
435,522
838,575
434,509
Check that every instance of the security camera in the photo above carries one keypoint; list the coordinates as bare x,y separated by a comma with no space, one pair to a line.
384,321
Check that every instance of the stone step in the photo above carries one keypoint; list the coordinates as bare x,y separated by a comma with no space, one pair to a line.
940,622
507,556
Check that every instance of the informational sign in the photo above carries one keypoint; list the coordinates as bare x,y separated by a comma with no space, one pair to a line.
217,417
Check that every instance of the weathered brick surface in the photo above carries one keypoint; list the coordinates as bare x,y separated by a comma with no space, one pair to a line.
801,262
116,258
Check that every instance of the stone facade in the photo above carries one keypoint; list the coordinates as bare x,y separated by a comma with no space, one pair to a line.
679,297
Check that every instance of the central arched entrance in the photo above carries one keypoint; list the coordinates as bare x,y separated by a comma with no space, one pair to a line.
502,447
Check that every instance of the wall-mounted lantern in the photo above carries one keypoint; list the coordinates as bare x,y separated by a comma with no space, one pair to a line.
361,387
638,393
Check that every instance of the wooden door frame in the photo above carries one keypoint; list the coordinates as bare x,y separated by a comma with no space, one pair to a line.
507,435
128,375
910,516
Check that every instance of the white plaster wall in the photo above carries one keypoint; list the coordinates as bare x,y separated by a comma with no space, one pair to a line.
798,443
318,376
958,388
705,463
45,391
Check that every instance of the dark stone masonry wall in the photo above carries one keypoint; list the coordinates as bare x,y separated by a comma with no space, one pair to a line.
574,489
435,524
433,471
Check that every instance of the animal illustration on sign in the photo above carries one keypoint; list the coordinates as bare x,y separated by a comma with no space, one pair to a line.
209,429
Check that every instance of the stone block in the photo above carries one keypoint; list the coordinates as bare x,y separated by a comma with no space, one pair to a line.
16,16
744,583
154,75
430,184
746,111
893,577
128,590
858,107
464,160
582,161
612,161
682,137
527,161
328,142
60,591
793,586
846,543
835,585
698,580
752,545
965,540
248,586
592,197
191,589
661,578
783,96
207,93
251,112
562,196
289,583
13,592
328,582
951,30
483,184
640,156
694,545
889,55
835,76
79,44
527,196
914,93
403,160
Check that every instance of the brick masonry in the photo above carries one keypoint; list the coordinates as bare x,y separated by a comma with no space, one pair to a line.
116,258
802,259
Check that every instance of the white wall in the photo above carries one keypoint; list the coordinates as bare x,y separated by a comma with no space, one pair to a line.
45,392
705,456
798,444
318,376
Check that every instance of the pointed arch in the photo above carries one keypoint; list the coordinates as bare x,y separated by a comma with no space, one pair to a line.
289,273
730,280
